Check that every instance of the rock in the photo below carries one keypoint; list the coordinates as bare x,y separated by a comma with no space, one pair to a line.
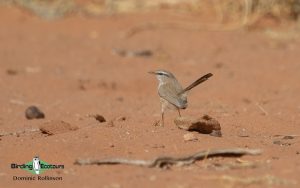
33,112
288,137
281,143
11,72
99,118
120,118
189,137
56,127
133,53
205,125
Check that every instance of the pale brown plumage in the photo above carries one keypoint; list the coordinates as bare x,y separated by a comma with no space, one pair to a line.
172,95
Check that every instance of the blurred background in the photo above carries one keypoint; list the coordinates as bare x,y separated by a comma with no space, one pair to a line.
245,12
77,58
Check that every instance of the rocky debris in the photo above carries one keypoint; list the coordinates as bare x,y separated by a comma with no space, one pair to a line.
56,127
284,140
99,118
120,118
157,146
281,143
288,137
204,125
189,137
132,53
114,121
11,72
33,112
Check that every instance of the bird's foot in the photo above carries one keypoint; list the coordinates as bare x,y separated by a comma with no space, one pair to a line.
158,123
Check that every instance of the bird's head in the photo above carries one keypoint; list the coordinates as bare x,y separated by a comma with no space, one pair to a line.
163,75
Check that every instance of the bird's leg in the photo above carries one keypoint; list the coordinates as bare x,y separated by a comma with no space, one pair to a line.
162,123
162,119
178,112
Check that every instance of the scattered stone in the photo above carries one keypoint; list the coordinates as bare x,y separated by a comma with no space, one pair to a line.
115,121
111,145
133,53
288,137
33,112
156,146
278,142
189,137
56,127
107,85
281,143
121,118
204,125
11,72
83,84
143,53
99,118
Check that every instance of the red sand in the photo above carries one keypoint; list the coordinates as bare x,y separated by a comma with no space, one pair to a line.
68,69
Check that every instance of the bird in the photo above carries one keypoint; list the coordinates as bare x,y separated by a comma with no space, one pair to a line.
171,93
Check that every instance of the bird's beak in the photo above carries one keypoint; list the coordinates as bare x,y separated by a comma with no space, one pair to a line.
151,72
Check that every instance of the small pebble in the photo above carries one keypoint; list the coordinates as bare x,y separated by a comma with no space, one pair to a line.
189,137
100,118
111,145
281,143
11,72
33,112
288,137
121,118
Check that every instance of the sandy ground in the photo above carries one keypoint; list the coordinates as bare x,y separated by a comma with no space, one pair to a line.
68,69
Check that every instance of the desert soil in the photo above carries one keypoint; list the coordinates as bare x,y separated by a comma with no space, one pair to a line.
71,69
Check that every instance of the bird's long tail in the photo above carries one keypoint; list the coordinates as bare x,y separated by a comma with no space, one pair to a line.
197,82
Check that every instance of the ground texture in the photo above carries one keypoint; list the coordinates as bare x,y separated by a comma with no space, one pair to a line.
72,69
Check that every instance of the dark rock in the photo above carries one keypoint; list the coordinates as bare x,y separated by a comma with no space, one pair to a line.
33,112
205,125
288,137
100,118
11,72
281,143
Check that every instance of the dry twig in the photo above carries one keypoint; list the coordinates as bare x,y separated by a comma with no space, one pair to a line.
162,162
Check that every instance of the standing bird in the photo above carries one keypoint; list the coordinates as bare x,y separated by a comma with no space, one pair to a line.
172,95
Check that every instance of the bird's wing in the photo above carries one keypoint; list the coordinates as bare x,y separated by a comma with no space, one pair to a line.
169,93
